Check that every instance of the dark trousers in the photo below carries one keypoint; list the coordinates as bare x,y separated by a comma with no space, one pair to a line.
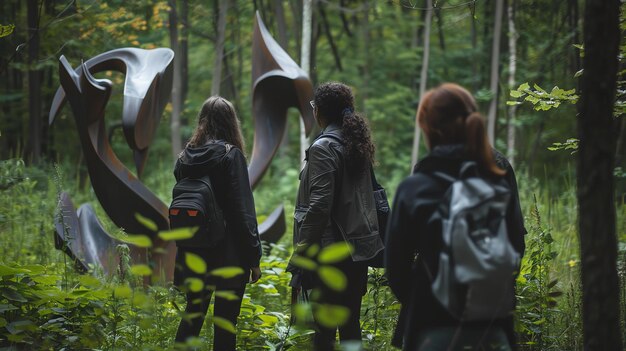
356,274
198,304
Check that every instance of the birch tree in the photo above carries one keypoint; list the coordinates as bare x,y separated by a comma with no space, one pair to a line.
495,72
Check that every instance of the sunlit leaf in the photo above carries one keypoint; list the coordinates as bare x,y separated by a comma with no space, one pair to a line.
224,324
138,240
227,272
123,292
178,233
303,262
333,278
312,250
227,295
194,284
268,319
146,222
330,316
140,269
195,263
335,252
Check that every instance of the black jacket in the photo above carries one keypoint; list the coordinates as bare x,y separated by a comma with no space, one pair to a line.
226,166
334,205
408,234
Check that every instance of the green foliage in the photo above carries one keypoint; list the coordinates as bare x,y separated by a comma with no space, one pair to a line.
541,99
6,30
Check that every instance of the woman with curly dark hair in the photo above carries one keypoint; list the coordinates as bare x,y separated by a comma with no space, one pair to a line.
336,204
216,149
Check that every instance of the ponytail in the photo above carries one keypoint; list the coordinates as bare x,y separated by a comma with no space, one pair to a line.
358,145
478,146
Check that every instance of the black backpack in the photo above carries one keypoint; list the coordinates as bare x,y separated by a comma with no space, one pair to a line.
194,205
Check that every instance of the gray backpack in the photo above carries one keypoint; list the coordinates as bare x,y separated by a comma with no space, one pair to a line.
477,265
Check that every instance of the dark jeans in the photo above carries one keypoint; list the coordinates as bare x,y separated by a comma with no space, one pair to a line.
198,304
356,274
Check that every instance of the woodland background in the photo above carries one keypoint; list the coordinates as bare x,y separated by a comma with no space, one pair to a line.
378,48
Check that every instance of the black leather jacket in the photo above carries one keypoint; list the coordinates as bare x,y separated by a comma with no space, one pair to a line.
226,166
333,204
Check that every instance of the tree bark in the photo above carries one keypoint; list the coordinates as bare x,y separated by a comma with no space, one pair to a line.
219,48
329,35
279,11
596,205
184,51
33,152
177,83
423,78
495,73
510,146
305,63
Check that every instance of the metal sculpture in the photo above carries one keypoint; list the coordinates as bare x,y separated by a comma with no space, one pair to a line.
121,194
278,84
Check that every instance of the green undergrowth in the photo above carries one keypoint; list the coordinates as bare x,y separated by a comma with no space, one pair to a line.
46,305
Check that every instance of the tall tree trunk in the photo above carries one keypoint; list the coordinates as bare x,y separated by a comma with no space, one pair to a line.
475,56
177,83
305,62
596,204
510,145
423,79
279,12
34,83
366,54
495,73
219,47
184,52
329,35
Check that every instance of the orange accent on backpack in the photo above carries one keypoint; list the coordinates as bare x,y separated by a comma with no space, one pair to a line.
174,211
192,213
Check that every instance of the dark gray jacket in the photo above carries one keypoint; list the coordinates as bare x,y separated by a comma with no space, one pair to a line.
333,204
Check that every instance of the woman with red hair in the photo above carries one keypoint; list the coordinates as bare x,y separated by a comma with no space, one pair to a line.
455,134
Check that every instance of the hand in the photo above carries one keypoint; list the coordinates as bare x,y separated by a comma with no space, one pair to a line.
255,274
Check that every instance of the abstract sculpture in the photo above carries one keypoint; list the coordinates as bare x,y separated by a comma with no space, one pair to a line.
278,84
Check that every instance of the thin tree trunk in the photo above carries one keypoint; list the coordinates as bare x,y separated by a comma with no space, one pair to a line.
34,83
475,60
329,35
184,51
279,12
423,80
219,48
305,63
495,73
510,146
366,54
177,83
596,152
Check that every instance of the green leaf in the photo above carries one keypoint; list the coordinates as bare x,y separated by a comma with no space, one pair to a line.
138,240
330,316
224,324
303,262
227,272
523,87
516,93
89,281
194,284
6,270
335,252
122,292
227,295
268,319
178,233
3,322
14,295
146,222
333,278
5,307
140,269
195,263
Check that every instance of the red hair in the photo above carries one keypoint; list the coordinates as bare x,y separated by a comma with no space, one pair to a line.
448,114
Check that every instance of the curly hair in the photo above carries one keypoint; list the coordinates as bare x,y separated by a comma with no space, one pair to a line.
335,103
217,120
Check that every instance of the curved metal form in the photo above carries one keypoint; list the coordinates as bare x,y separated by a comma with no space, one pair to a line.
121,194
147,89
278,84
